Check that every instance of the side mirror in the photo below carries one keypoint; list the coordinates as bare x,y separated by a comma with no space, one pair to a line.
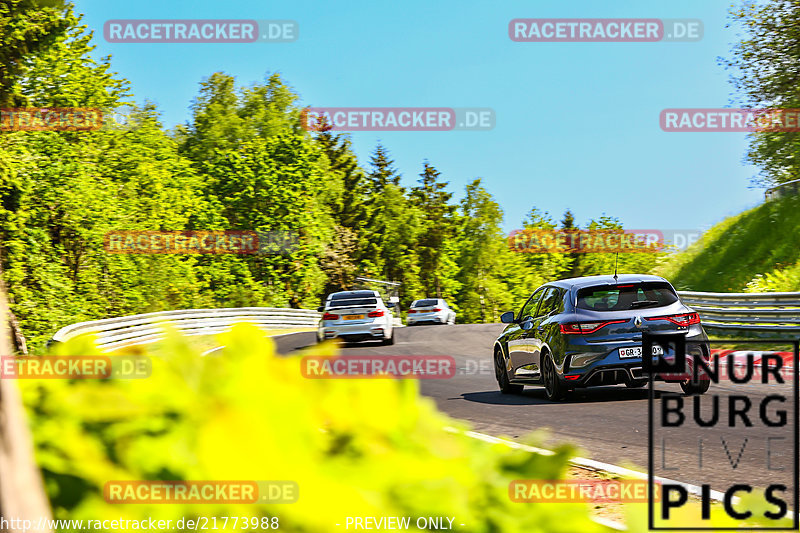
507,317
320,309
391,304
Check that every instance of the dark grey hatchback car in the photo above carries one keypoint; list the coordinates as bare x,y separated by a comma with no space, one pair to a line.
584,332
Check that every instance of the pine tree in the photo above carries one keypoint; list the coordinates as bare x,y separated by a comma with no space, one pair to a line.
347,202
383,172
568,222
350,209
573,259
432,200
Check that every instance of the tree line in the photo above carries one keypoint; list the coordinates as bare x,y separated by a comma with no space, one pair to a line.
241,162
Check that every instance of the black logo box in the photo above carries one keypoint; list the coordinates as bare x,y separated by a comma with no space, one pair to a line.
678,344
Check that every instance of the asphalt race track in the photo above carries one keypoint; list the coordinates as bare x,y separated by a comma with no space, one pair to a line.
608,424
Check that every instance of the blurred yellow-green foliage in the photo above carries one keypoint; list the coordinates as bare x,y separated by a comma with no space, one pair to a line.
356,447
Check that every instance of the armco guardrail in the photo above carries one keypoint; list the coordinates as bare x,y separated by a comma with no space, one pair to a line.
784,189
112,333
760,314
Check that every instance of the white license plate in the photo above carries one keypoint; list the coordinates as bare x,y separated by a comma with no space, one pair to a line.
352,317
636,351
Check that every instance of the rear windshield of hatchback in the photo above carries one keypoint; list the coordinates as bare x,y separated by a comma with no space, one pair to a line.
352,302
626,296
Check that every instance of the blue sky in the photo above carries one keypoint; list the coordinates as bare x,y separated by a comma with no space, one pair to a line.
577,123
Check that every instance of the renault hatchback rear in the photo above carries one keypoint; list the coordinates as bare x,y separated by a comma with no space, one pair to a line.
583,332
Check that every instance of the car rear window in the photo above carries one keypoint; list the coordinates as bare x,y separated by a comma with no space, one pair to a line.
623,297
352,302
351,295
426,303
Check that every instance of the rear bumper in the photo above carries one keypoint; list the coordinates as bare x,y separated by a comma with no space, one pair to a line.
609,368
433,318
615,375
356,332
609,375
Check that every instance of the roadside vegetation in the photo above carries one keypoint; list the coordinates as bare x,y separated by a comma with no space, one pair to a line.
354,447
754,251
758,250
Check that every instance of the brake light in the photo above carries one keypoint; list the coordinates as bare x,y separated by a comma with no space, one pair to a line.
375,314
411,311
573,377
437,309
330,316
684,320
625,286
582,328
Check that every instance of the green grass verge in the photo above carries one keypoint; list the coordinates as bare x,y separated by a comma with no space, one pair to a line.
762,241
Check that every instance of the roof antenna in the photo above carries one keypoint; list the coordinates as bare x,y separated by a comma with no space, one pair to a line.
616,261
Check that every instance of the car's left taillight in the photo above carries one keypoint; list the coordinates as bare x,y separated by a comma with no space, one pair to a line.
683,320
582,328
330,316
375,314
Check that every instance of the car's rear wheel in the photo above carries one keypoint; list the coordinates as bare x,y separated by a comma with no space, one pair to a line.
390,340
506,387
553,388
699,387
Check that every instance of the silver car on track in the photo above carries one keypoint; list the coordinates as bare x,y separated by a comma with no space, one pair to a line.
430,311
354,316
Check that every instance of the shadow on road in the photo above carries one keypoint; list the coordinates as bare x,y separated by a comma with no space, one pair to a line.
341,346
536,396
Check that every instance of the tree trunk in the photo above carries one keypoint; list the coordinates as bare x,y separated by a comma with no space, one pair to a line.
21,490
17,339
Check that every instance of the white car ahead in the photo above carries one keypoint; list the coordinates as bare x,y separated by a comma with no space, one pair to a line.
430,310
356,316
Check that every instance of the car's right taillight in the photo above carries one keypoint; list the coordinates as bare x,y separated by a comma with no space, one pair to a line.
683,320
437,309
411,311
330,316
582,328
376,313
